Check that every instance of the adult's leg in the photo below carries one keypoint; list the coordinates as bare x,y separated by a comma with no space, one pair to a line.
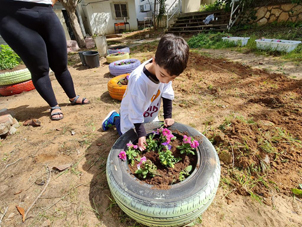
31,48
55,40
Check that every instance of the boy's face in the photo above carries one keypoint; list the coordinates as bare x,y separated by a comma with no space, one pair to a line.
162,75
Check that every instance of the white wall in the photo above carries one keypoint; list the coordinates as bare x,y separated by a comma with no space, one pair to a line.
140,15
98,15
189,6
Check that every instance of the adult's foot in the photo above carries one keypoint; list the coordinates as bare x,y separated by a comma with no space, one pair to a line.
56,113
78,100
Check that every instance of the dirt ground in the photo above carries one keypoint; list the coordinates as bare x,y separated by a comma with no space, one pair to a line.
252,116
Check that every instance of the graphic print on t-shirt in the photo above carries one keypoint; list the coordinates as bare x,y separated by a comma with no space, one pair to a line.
151,110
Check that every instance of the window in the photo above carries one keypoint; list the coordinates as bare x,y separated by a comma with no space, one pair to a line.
120,10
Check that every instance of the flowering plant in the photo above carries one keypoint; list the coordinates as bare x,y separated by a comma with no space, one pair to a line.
117,54
145,168
124,63
123,81
188,146
163,151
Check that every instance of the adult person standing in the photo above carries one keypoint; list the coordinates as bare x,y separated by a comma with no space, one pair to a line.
34,32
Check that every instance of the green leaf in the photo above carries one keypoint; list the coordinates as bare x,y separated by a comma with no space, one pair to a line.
188,169
297,192
300,186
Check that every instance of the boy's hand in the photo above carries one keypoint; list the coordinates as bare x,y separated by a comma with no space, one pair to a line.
168,122
142,143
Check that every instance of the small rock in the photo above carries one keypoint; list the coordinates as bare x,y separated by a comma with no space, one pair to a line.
15,123
11,215
4,129
225,157
267,123
266,160
12,130
46,223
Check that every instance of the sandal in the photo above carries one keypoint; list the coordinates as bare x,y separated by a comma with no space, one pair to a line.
58,113
74,102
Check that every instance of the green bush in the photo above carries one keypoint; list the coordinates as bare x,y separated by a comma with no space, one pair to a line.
8,58
209,41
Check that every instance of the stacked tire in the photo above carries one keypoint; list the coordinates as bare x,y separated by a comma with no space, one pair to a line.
117,56
118,53
119,49
118,68
116,90
16,82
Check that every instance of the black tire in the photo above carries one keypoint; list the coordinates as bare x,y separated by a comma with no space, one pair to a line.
177,206
116,69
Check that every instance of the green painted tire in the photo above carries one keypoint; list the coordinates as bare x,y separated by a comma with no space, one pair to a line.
177,206
14,77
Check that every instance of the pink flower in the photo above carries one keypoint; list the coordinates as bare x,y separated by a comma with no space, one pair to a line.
194,144
166,132
135,146
122,155
143,160
186,139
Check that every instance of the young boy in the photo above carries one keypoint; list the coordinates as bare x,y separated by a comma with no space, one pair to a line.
147,84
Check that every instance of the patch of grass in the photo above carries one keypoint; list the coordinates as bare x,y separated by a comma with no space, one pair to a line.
111,204
287,31
210,41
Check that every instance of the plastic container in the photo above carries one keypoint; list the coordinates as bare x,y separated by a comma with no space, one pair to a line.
92,59
277,44
237,40
82,57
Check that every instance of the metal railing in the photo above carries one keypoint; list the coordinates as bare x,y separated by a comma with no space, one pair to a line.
236,9
173,9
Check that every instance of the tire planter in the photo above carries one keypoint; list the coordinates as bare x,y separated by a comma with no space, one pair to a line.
117,56
16,88
15,77
117,49
116,91
177,206
116,69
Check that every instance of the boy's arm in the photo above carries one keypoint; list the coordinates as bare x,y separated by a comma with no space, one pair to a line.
141,134
167,104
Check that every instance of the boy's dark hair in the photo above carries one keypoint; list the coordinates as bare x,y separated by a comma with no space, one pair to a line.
172,54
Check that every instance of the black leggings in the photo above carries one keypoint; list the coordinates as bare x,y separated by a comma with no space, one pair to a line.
35,33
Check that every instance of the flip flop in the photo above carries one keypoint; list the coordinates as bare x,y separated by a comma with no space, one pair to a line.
74,102
58,113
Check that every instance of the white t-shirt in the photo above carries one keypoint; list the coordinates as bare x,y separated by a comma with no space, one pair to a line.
142,99
49,2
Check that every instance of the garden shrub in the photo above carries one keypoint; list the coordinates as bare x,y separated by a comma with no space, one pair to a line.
209,40
8,58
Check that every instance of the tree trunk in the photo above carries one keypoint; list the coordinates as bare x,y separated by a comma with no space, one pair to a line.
154,17
70,7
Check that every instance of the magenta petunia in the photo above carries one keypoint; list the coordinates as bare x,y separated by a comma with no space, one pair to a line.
194,144
186,139
135,146
143,159
122,155
129,145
